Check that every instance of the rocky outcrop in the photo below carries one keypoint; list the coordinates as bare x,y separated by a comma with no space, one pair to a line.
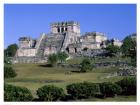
127,71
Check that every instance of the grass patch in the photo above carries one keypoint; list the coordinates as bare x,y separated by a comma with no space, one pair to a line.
131,98
34,76
105,69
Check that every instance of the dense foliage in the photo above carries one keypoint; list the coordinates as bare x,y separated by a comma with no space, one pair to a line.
7,60
11,50
62,56
112,49
129,48
9,72
110,89
128,85
50,93
128,43
82,90
53,59
86,65
15,93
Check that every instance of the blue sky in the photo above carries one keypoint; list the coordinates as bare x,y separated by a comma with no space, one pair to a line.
115,20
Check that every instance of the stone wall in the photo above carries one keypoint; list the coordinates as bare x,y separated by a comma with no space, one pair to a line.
90,45
127,71
29,60
69,26
26,42
26,52
93,37
92,40
49,50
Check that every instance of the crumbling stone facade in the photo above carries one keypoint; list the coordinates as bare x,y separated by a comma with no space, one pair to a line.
26,47
63,36
93,40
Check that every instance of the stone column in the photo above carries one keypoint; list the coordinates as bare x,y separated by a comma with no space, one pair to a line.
64,29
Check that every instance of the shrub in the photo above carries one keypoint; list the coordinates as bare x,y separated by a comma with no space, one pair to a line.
62,56
86,65
112,50
10,51
50,93
7,60
82,90
128,85
9,72
15,93
129,48
110,89
53,59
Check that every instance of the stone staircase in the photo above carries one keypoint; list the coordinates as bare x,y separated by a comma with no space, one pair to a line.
40,46
65,41
55,40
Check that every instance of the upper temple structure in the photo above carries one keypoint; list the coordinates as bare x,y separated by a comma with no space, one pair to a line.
63,37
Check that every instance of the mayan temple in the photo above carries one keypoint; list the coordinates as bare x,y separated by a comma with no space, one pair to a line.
63,36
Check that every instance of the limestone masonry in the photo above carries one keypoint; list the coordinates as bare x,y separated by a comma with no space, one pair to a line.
63,36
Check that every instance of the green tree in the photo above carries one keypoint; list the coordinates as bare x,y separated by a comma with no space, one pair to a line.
7,60
53,59
62,56
86,65
129,48
11,50
129,44
9,72
112,50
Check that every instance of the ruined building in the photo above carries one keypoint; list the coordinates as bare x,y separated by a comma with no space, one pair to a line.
63,36
93,40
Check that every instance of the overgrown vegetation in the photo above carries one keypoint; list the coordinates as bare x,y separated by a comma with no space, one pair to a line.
129,48
9,72
50,93
82,90
16,93
86,65
75,91
62,56
112,50
11,50
128,85
7,60
54,58
109,89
